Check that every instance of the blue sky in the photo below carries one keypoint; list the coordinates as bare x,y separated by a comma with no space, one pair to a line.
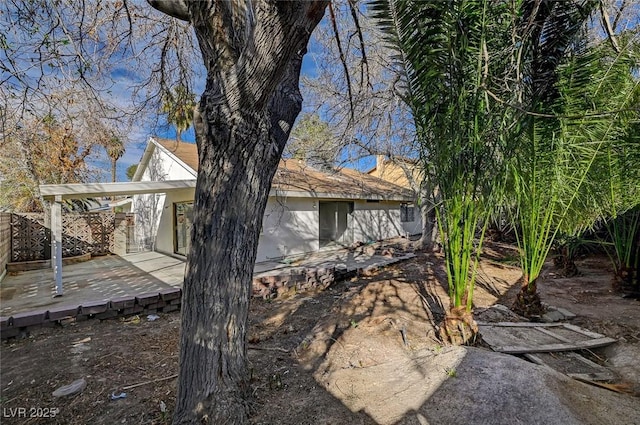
139,135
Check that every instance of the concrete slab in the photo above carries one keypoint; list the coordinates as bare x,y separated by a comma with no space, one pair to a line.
145,274
102,278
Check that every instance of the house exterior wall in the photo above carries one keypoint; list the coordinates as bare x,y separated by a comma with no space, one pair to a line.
164,241
290,227
392,172
372,221
151,209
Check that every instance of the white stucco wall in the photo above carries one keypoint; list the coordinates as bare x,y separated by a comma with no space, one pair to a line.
290,227
154,212
376,220
165,229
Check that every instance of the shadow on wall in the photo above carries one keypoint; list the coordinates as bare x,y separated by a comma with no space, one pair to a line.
290,227
148,207
335,223
375,224
295,226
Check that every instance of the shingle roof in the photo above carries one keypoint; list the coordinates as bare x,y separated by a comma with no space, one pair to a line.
296,176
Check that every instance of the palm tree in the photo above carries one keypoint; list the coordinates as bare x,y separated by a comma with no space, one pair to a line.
586,109
115,150
493,84
179,104
454,53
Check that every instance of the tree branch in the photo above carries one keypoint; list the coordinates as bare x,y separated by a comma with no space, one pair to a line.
607,27
174,8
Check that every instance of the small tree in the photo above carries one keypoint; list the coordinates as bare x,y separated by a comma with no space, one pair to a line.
312,141
43,151
131,171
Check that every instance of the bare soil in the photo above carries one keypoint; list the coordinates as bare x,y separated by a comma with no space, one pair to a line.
294,343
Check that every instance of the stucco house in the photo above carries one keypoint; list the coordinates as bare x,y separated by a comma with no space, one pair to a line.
308,210
394,170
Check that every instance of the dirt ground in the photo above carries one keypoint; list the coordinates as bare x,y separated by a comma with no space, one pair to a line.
294,344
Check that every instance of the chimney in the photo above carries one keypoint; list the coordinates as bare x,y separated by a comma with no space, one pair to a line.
379,166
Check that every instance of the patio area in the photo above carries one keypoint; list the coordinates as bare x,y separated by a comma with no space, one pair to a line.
101,278
113,277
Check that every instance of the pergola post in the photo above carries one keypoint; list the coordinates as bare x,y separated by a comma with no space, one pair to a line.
56,243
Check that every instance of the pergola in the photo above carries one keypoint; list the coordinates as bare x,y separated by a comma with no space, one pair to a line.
56,193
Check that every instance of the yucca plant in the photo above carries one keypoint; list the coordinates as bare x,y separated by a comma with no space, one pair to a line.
452,54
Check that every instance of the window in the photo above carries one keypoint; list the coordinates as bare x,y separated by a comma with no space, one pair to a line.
407,213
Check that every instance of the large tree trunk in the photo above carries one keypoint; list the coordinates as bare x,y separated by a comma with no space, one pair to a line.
253,54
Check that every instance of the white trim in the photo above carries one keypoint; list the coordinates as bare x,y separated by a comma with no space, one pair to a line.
174,157
88,190
329,195
144,161
120,202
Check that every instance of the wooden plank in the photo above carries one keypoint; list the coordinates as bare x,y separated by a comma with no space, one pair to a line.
526,337
601,376
580,345
520,324
584,332
573,365
552,335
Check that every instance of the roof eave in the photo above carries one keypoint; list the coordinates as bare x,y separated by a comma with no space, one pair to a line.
335,195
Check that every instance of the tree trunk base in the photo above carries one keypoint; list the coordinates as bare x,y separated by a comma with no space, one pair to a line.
528,303
220,409
624,280
567,265
458,327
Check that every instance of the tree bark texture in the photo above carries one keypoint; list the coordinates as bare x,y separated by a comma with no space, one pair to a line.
253,54
428,207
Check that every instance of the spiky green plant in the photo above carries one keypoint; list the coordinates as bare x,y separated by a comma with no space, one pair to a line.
557,183
455,55
623,207
624,233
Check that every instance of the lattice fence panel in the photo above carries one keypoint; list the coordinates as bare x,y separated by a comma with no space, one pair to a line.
29,238
76,235
102,227
81,233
